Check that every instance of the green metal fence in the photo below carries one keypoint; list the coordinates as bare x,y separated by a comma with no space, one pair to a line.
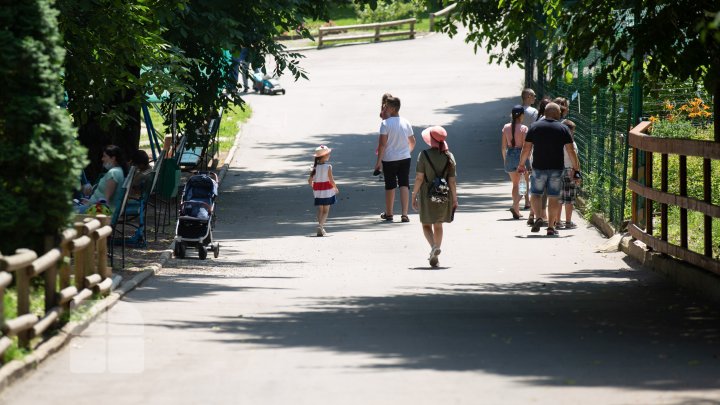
603,119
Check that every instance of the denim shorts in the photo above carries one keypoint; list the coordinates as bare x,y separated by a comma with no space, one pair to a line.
512,159
546,180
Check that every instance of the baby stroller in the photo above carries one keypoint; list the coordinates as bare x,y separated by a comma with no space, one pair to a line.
265,84
197,216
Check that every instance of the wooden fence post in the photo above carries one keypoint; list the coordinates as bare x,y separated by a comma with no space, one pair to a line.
22,279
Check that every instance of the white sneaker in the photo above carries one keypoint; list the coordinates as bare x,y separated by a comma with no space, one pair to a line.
434,252
320,231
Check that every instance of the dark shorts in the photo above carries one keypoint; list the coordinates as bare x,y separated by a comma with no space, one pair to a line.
397,173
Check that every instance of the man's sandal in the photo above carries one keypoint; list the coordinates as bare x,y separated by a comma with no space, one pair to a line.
386,217
404,218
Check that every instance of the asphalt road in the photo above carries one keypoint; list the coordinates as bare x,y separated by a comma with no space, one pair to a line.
358,317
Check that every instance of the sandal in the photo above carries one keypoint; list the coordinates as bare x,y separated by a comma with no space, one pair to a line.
386,217
531,220
515,214
404,218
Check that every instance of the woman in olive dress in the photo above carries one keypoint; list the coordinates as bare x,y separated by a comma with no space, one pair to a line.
436,161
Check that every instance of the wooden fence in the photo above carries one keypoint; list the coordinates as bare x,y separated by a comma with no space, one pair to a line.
642,226
72,273
325,34
446,12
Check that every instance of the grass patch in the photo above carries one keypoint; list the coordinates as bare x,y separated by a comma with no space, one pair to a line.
37,307
345,14
233,118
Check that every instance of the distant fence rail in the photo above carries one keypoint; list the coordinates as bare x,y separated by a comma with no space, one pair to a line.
642,225
446,12
326,34
67,283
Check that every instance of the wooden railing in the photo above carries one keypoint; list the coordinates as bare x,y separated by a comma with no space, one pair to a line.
642,226
66,286
323,32
446,12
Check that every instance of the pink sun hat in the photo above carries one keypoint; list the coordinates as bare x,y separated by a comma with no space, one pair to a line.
322,150
435,137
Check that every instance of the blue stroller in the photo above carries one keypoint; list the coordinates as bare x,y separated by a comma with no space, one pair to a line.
197,217
265,84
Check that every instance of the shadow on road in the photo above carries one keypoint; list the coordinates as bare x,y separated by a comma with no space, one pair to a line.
284,199
552,333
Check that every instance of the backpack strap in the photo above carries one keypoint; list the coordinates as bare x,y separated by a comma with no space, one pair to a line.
433,166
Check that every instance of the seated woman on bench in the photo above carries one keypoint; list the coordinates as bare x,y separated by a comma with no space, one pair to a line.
110,183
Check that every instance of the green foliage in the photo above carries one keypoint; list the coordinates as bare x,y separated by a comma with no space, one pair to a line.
206,28
388,10
677,129
40,158
107,42
675,37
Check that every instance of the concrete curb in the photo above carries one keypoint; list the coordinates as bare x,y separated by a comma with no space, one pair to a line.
16,369
684,275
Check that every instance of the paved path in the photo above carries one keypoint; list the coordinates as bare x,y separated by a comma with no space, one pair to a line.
357,317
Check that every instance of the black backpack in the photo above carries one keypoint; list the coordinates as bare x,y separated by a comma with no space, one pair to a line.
438,189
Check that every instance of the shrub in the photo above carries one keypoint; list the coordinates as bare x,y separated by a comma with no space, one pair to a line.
389,10
39,155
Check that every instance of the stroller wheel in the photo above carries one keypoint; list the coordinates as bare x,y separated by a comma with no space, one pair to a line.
179,250
216,250
202,252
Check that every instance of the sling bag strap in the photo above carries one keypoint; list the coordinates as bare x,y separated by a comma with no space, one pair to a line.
433,166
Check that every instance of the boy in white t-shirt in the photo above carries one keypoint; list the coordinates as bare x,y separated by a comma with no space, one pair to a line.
393,157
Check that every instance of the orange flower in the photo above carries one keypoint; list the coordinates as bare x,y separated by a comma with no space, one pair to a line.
654,119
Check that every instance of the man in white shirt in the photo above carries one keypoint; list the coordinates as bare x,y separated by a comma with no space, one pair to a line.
396,142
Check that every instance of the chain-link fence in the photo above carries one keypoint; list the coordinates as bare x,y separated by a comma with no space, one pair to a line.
602,119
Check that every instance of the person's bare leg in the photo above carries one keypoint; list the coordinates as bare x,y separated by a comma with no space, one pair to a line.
428,232
438,232
536,204
568,212
515,178
404,199
553,205
324,212
559,212
389,201
527,192
544,212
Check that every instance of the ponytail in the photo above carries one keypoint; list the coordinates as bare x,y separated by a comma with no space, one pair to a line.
449,156
317,160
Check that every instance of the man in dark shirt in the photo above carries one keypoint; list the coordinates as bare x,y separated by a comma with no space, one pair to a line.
546,140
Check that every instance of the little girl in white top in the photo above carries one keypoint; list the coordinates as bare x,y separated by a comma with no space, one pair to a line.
324,187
